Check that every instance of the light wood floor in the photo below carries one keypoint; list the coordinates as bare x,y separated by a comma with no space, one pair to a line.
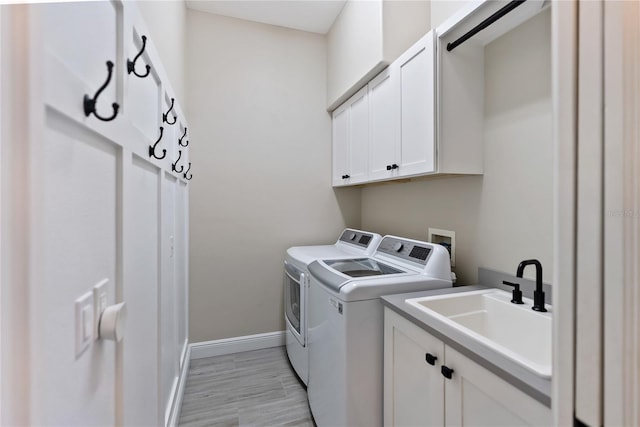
254,388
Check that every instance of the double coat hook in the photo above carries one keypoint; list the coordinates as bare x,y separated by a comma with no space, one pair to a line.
152,148
175,164
165,116
90,103
131,65
188,178
181,138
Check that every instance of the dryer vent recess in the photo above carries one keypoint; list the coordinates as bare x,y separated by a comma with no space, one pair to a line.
445,238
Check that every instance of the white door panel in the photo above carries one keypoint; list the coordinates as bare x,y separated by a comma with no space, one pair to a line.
589,218
75,192
181,259
167,321
141,278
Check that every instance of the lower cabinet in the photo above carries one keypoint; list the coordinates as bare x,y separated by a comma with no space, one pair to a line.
418,390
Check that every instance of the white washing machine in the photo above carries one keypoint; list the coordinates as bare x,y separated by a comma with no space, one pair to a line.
346,325
351,243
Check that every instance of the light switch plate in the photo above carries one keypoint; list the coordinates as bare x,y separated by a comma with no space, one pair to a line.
99,304
84,316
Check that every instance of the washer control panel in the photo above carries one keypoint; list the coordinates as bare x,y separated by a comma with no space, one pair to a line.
355,237
407,250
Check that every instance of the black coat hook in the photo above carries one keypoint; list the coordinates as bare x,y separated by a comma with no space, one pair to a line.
180,139
188,178
90,103
173,165
152,148
131,65
165,116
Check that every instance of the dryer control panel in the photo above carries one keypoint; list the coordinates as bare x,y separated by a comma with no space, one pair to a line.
408,250
357,238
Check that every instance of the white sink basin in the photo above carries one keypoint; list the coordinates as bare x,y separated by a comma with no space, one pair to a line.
488,316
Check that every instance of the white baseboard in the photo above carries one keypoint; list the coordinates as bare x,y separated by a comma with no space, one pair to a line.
204,349
174,415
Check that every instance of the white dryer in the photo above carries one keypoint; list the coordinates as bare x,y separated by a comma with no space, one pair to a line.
346,325
351,243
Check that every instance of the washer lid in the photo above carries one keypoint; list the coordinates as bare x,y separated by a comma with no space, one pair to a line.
362,267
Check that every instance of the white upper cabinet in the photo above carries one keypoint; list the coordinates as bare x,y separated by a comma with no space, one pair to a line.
351,140
401,140
427,107
384,124
416,77
402,103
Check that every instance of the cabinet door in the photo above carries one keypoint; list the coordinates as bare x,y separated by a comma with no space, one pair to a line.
417,105
340,135
384,124
474,396
413,389
359,139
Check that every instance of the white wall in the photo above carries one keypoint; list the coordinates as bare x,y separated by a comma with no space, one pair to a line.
262,182
505,215
404,22
443,9
355,47
366,37
166,21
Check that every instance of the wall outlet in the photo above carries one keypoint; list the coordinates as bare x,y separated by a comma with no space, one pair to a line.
445,238
99,304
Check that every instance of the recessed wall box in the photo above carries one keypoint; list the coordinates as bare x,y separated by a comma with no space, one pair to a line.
445,238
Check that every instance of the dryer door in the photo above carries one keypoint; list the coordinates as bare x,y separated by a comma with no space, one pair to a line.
294,301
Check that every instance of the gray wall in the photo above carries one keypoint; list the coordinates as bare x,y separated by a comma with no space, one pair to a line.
262,181
505,215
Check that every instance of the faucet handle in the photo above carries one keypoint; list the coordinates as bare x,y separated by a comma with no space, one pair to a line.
516,296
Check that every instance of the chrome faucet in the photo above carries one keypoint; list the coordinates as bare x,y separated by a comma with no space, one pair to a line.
538,294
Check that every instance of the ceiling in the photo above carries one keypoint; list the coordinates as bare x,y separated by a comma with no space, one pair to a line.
315,16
